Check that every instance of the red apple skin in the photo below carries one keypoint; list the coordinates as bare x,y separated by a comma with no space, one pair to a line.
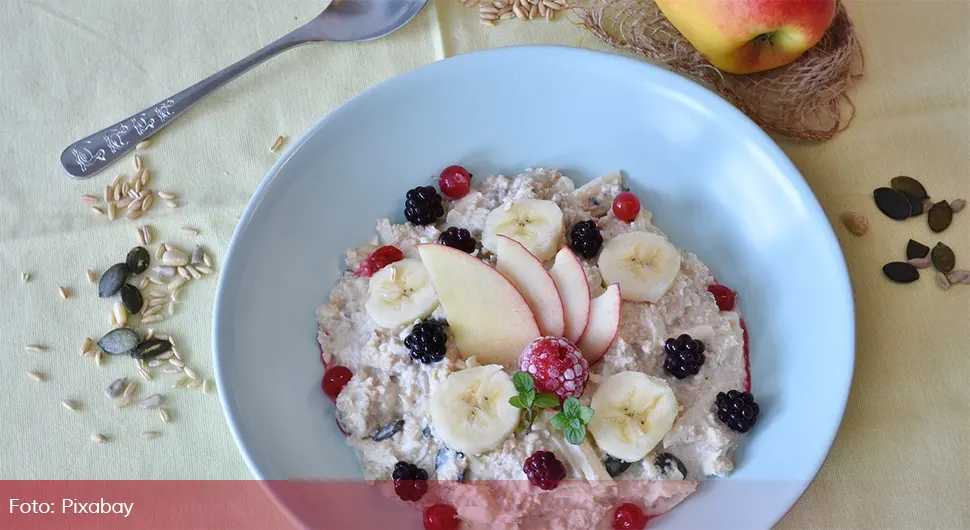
592,357
573,334
747,36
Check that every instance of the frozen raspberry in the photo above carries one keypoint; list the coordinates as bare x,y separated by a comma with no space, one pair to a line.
544,470
381,258
556,365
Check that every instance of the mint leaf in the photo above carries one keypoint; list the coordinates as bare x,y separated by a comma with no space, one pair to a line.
528,398
560,421
585,414
575,423
574,436
516,401
523,381
547,401
571,407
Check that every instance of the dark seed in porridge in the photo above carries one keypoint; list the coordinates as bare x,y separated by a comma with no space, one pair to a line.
892,203
151,349
585,239
737,410
423,205
666,463
112,280
940,216
915,249
943,258
426,432
459,238
900,272
615,467
137,260
131,297
387,431
119,341
911,186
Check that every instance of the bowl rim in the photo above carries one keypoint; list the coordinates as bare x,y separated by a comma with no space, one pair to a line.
685,86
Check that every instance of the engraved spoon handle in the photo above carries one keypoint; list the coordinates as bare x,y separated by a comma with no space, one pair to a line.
90,155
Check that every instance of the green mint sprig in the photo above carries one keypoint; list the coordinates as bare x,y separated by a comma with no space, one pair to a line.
572,420
528,400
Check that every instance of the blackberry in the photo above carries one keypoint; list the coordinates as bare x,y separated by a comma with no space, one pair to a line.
410,481
737,410
685,356
423,205
459,238
427,342
585,239
544,470
666,463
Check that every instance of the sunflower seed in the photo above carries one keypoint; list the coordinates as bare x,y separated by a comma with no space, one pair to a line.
165,195
150,349
122,403
137,162
119,341
25,277
196,258
98,358
165,271
193,272
277,143
144,374
36,376
155,302
65,294
165,356
206,260
116,387
35,348
175,295
176,362
92,276
206,386
151,402
112,211
175,352
958,205
131,388
920,263
153,310
940,216
163,415
70,405
108,193
151,319
164,337
190,372
112,319
142,145
112,280
99,438
154,363
143,283
193,384
471,3
97,210
900,272
171,308
176,283
87,345
488,17
141,236
190,231
183,272
121,314
959,276
487,10
942,281
909,185
149,435
387,431
203,269
174,257
943,258
171,203
179,382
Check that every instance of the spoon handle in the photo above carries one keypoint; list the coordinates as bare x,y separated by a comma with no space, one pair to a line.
86,157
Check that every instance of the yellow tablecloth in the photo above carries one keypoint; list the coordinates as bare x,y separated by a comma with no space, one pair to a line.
70,67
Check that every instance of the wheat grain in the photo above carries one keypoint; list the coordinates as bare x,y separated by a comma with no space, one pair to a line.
87,344
190,231
137,162
163,415
98,210
36,376
206,386
64,292
25,277
165,195
70,405
149,435
92,276
35,348
277,143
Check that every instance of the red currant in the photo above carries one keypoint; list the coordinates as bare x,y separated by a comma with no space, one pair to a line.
629,516
380,258
455,181
334,380
626,206
441,517
724,296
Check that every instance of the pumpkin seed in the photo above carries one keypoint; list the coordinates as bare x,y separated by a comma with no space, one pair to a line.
131,297
915,249
666,463
943,258
112,280
911,186
119,341
138,260
116,387
900,272
426,432
615,466
387,431
151,349
893,203
940,216
915,205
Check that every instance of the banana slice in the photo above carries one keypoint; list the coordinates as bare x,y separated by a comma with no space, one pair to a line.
400,294
633,413
470,410
535,223
644,264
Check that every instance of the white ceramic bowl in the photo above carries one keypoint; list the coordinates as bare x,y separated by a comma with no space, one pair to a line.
715,182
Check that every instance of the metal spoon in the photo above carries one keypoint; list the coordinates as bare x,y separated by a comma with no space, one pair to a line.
341,21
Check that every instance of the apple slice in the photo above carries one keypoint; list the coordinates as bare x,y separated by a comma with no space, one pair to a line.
527,274
487,315
604,324
570,279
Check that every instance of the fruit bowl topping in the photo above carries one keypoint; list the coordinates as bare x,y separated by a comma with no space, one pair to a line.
556,365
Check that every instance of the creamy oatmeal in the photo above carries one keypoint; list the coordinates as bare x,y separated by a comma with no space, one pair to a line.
388,407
